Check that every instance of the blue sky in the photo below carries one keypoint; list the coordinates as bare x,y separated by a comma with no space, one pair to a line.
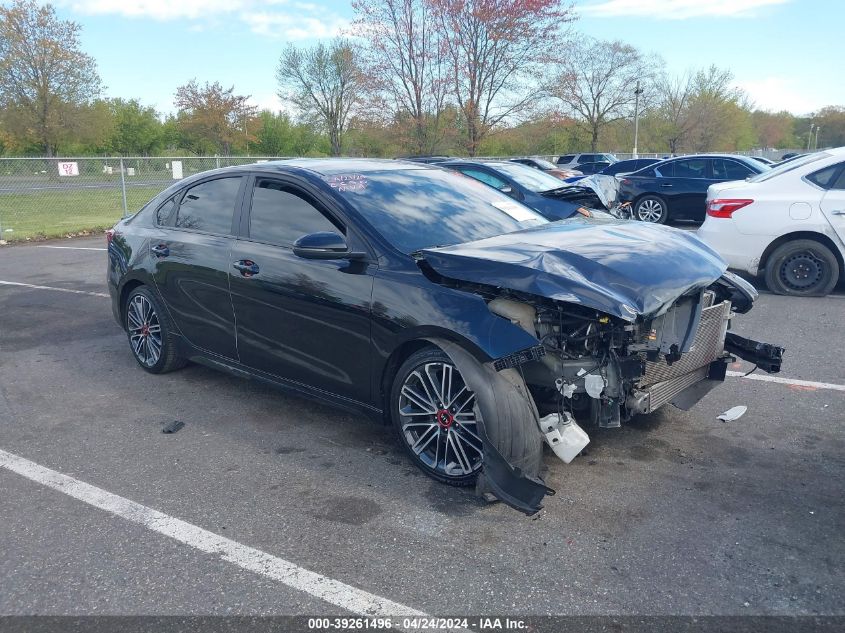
787,54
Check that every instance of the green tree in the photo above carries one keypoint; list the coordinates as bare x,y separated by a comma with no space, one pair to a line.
45,78
137,129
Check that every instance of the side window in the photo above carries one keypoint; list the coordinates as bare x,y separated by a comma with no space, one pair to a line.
279,215
691,168
587,158
165,213
209,206
566,158
667,170
487,179
824,178
727,169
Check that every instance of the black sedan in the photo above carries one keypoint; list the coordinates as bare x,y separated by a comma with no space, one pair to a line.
676,189
431,302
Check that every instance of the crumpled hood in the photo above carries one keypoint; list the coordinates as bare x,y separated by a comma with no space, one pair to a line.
619,267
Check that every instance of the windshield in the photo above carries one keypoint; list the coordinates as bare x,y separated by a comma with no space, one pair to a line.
531,179
422,208
785,167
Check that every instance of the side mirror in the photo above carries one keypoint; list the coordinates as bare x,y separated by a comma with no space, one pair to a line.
324,245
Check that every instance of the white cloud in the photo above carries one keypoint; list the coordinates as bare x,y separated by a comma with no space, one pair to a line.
780,93
293,27
288,19
156,9
677,9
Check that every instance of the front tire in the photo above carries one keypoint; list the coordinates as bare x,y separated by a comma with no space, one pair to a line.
151,333
651,209
433,414
803,268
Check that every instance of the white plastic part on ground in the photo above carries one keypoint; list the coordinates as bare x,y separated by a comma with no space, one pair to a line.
734,413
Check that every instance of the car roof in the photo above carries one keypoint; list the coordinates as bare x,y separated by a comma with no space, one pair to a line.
329,166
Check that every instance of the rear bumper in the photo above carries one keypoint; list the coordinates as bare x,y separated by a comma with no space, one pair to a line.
741,252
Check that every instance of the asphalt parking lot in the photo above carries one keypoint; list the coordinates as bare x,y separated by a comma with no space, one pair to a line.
676,513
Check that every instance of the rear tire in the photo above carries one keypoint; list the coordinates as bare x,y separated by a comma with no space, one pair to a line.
802,268
651,209
151,333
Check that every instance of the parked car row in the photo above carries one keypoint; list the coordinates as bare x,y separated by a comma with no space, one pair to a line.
790,233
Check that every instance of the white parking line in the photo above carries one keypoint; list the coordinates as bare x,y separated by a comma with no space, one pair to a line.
34,287
73,248
332,591
788,381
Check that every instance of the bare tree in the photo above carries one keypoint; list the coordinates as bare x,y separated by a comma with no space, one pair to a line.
673,95
498,50
404,60
597,82
44,76
325,83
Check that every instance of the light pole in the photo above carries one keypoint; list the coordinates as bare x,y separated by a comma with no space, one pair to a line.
810,136
816,144
637,92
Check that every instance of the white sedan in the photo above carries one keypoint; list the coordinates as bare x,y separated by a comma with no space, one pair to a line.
787,224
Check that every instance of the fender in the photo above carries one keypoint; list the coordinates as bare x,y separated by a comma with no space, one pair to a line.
508,424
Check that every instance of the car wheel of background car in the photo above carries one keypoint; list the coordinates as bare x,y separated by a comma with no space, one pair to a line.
803,268
651,209
150,333
433,413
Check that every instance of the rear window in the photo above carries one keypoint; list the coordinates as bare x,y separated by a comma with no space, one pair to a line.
566,159
787,167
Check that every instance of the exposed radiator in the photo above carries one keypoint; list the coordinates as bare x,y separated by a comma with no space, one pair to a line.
664,381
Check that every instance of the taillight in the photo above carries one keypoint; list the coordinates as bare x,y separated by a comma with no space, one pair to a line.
109,236
725,207
625,181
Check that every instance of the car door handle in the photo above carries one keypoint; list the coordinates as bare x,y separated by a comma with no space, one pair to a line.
666,184
247,267
838,212
160,250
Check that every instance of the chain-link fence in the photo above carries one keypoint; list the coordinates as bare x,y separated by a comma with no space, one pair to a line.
54,197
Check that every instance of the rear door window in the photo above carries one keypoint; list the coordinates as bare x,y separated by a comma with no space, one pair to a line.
727,169
281,214
209,206
690,168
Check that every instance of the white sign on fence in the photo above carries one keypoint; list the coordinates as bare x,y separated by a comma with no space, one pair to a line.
68,169
176,166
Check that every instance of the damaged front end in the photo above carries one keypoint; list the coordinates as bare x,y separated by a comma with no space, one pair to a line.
601,360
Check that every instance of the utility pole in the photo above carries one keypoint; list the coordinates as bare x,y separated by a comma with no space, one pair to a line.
637,92
816,144
810,136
